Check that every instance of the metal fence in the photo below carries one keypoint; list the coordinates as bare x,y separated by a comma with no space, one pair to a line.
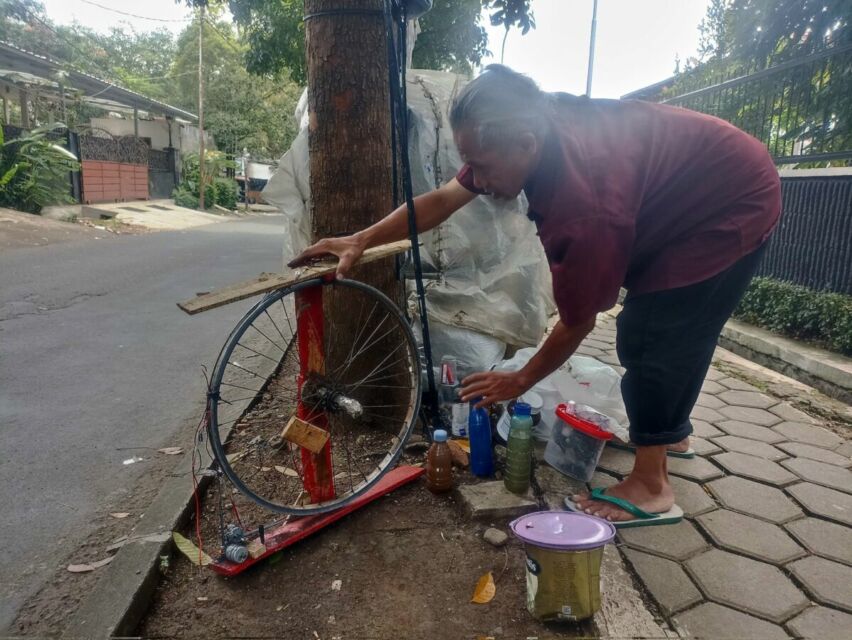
800,108
812,245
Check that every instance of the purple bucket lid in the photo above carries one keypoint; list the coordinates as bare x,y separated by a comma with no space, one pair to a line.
564,530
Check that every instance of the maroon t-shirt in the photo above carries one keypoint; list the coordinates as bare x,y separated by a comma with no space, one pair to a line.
645,196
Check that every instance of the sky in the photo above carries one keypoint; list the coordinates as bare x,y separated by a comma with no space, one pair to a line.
637,40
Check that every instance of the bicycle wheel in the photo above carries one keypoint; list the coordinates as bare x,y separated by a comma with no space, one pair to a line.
286,359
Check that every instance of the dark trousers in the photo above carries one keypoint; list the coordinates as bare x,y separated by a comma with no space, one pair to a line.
665,342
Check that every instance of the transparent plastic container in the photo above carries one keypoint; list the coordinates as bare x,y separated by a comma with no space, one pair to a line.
577,443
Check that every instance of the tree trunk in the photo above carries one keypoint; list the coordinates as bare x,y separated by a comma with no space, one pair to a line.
349,135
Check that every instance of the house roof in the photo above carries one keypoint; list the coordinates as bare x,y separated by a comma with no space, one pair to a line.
15,63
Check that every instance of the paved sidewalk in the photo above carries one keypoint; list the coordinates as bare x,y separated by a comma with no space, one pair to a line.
766,546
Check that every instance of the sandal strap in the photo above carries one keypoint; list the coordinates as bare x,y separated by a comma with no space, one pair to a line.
629,507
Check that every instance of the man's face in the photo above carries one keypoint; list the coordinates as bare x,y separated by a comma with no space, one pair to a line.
501,168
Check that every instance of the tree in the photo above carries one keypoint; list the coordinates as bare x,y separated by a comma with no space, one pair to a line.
241,110
453,38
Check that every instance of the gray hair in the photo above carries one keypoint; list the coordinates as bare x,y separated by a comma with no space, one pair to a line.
499,104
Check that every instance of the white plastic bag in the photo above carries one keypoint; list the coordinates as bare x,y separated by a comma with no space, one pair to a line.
583,380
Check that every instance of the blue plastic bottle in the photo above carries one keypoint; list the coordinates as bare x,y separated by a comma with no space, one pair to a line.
479,432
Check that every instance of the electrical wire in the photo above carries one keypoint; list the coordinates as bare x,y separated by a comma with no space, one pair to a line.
133,15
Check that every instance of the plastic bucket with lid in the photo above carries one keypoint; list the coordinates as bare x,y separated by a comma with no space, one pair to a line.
564,551
576,444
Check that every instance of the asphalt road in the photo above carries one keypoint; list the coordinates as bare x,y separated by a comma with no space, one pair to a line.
95,357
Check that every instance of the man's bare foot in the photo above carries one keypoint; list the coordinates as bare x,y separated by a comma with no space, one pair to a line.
657,498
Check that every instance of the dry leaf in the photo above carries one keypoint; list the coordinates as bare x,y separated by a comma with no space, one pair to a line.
236,457
485,589
171,451
120,514
85,568
287,471
463,443
190,550
265,469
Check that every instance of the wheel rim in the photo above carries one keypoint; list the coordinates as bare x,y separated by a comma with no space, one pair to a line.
368,390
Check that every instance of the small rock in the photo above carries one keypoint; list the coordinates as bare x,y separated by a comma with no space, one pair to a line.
416,447
495,537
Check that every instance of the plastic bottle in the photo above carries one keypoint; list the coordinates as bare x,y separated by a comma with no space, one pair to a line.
519,450
439,464
479,432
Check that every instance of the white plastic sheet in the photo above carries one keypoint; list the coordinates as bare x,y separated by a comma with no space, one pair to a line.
493,276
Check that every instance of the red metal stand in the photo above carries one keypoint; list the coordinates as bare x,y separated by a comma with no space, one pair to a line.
318,474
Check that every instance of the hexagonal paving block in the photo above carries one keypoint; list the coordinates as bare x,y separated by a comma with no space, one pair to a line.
709,401
703,447
708,415
819,622
821,473
802,450
603,480
760,417
704,429
826,539
828,582
712,387
665,579
748,399
809,434
754,587
617,461
824,502
603,345
691,497
750,447
752,431
697,468
711,620
758,539
737,384
584,350
786,412
714,374
845,449
754,499
673,541
609,359
755,468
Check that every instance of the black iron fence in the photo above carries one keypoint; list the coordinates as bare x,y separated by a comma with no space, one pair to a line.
812,245
801,108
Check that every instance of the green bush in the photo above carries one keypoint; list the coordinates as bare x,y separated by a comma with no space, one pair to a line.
34,171
216,190
799,312
226,193
185,198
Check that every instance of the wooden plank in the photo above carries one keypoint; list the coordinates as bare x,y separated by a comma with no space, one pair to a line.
305,435
271,281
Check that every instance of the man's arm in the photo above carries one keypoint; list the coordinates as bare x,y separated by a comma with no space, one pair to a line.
499,386
430,208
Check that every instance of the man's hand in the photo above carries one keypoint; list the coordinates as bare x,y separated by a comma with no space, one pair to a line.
494,386
347,249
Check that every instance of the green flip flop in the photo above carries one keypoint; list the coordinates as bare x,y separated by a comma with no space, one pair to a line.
641,518
688,454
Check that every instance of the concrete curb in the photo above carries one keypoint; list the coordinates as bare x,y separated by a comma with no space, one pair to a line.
121,598
831,373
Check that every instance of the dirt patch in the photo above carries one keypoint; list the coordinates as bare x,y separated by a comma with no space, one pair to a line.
407,566
18,230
